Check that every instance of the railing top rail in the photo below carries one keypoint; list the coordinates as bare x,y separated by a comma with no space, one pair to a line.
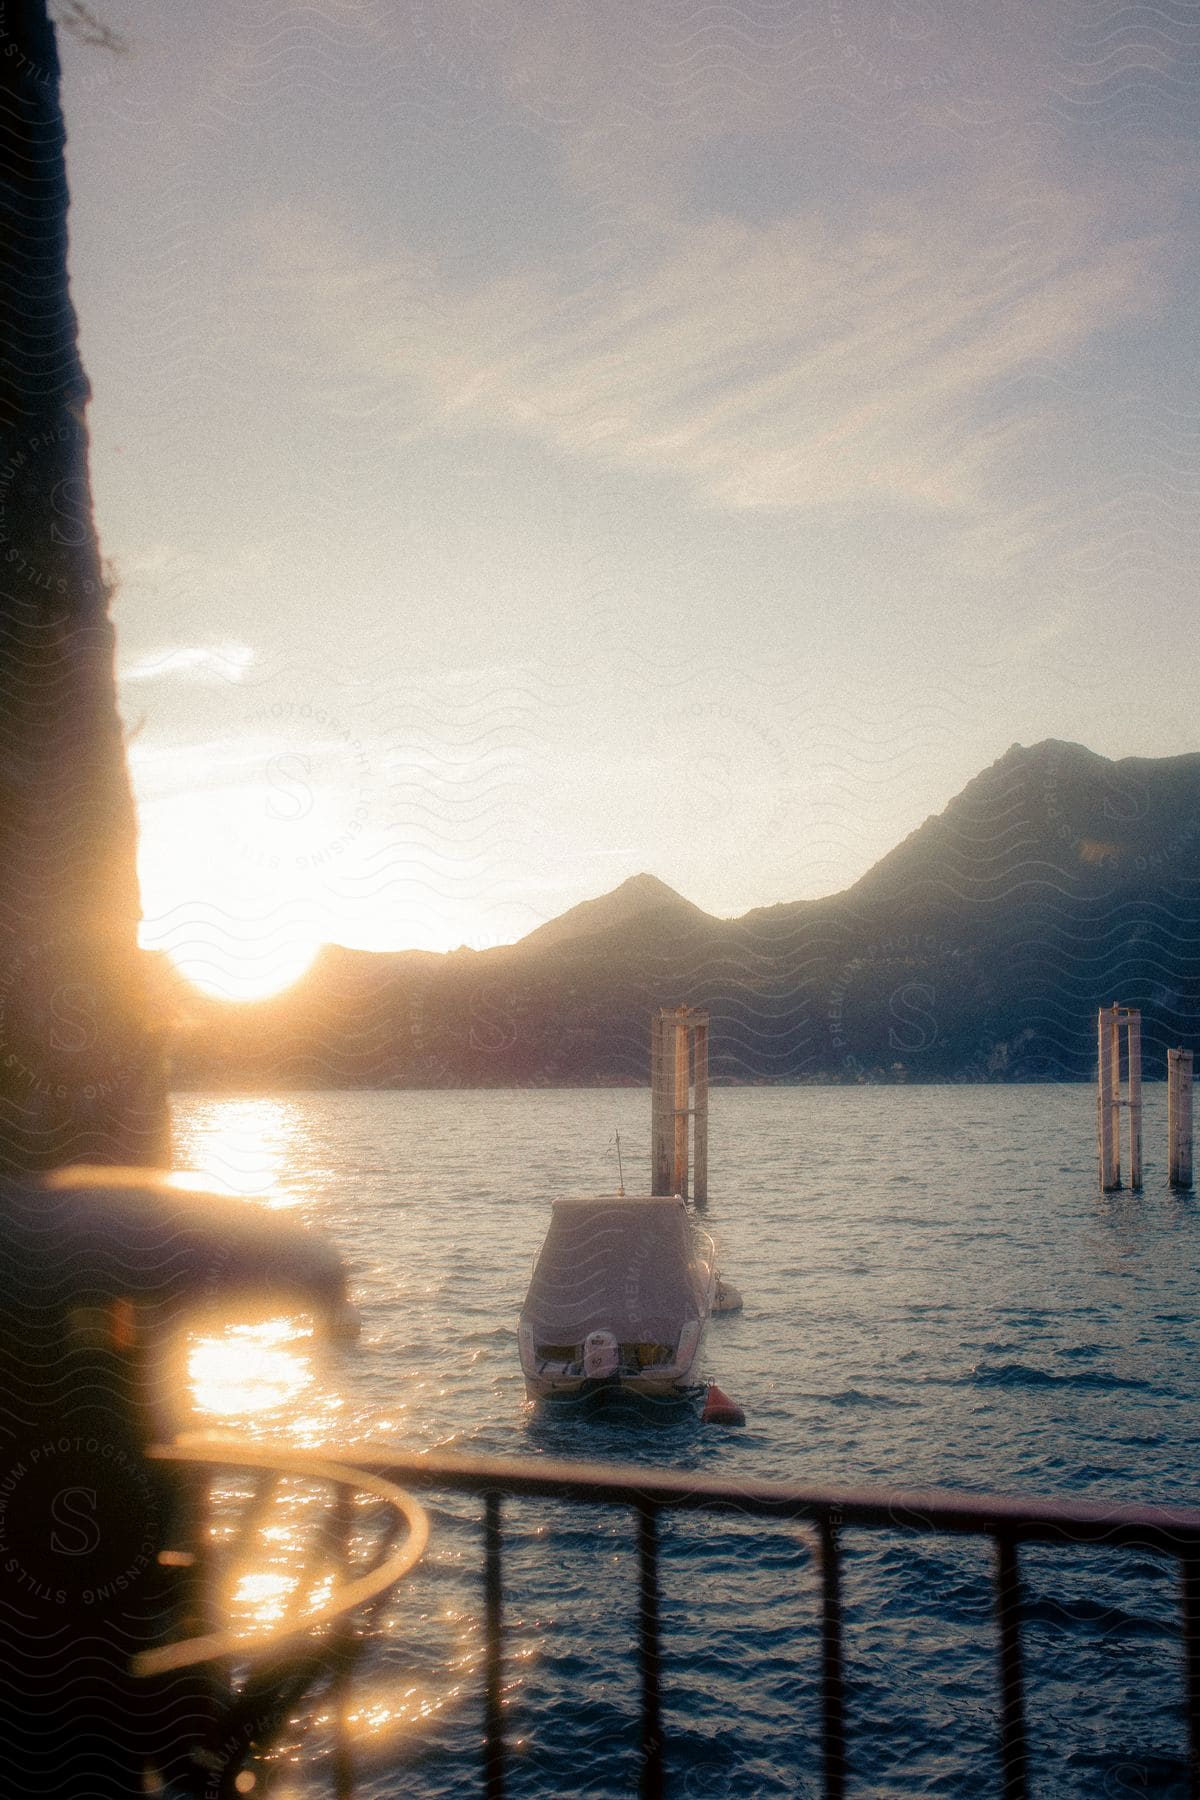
1174,1529
353,1593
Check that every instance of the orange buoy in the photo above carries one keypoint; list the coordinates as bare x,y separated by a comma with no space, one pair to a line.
719,1409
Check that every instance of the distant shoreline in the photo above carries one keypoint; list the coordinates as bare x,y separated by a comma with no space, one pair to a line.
246,1090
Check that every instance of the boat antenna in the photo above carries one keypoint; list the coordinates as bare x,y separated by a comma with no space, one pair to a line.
620,1169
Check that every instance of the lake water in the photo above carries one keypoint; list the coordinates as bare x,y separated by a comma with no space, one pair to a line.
935,1293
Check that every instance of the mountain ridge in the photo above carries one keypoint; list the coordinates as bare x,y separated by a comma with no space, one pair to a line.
978,948
632,899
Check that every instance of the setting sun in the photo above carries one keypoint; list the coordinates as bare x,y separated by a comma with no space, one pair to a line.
234,862
233,945
237,965
258,847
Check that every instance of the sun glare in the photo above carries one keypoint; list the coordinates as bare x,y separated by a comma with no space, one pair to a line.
234,888
241,1146
249,863
250,1369
238,971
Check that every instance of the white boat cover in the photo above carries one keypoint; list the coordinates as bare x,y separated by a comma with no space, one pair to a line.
629,1266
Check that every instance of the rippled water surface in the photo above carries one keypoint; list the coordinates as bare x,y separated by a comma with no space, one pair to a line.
935,1293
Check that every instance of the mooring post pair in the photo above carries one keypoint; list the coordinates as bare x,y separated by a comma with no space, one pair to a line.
679,1064
1114,1020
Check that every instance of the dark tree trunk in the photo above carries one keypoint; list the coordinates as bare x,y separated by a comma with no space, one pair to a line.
80,1066
96,1276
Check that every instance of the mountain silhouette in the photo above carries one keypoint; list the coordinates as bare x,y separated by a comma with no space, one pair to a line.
639,898
978,949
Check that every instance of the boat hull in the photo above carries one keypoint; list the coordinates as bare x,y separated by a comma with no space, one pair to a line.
546,1380
612,1398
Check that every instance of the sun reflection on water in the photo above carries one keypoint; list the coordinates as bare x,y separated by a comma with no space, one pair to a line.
279,1567
269,1377
389,1710
263,1596
243,1146
251,1369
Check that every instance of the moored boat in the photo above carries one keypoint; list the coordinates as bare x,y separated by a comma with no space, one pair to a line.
622,1291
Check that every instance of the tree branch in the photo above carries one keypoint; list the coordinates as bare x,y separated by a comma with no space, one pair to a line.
83,25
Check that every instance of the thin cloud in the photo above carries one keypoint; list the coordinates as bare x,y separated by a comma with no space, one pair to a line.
804,363
191,662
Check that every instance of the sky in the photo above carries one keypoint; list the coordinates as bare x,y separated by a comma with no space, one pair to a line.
538,441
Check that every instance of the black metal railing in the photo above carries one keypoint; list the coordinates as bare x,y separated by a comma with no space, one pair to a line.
1008,1523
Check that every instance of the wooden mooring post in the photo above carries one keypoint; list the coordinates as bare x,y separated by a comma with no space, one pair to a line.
679,1062
1112,1020
1179,1118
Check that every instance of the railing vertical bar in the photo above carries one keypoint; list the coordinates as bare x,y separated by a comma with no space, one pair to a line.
650,1654
493,1749
833,1676
1012,1686
340,1698
1189,1571
341,1533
